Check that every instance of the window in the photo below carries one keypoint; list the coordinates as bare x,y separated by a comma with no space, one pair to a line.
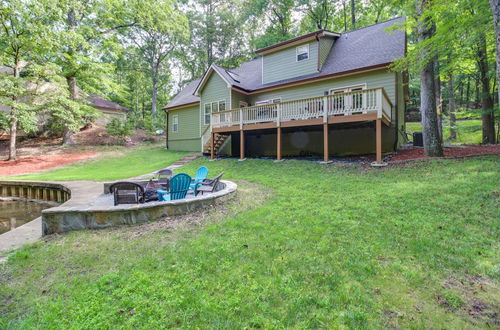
302,53
243,104
271,101
222,105
354,101
175,123
206,113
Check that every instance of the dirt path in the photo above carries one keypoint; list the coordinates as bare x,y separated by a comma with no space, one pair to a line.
29,165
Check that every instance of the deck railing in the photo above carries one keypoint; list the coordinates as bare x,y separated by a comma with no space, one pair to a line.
373,100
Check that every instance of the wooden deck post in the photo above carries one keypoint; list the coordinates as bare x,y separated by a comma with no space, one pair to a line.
212,147
325,143
242,145
278,151
378,133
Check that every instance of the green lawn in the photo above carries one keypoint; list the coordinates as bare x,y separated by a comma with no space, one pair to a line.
303,245
132,163
468,131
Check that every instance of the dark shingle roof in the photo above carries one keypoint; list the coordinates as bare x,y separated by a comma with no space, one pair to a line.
185,96
99,102
362,48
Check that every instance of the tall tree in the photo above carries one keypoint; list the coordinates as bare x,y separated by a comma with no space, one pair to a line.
353,14
488,116
156,38
318,14
495,8
452,107
23,34
426,29
86,31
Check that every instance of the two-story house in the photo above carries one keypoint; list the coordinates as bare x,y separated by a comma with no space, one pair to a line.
320,94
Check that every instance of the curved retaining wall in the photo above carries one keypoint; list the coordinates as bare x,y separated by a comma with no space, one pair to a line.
66,218
34,191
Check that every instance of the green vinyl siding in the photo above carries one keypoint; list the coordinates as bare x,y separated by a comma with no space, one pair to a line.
215,90
187,137
185,145
283,64
325,45
236,98
374,79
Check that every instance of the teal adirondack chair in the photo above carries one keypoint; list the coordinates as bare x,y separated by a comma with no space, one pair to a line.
201,174
179,186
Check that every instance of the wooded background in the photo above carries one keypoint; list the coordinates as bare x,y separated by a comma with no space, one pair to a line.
140,53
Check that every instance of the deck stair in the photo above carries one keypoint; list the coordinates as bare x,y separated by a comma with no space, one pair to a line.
218,142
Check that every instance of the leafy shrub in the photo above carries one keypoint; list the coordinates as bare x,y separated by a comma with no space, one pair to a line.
119,128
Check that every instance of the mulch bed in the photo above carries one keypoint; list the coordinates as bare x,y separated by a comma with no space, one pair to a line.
35,164
449,152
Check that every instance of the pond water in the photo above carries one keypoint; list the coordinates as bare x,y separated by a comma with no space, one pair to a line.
16,213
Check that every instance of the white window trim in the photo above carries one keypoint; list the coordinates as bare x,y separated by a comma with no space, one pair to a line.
269,101
205,114
297,53
347,89
243,104
175,123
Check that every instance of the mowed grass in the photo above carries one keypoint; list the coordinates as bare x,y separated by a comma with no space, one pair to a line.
303,245
131,163
468,131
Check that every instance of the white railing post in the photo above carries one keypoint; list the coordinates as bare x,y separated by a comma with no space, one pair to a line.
241,118
325,109
379,103
278,115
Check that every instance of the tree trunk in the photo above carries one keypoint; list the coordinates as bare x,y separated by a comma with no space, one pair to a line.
467,93
154,94
12,138
345,15
353,14
452,107
13,120
486,101
495,8
439,101
73,93
432,142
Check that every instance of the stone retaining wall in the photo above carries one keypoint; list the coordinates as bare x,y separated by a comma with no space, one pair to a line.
34,191
62,219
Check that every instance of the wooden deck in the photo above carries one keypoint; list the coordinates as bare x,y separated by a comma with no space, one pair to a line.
360,106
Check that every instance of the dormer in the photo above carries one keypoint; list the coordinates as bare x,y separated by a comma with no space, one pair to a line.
296,57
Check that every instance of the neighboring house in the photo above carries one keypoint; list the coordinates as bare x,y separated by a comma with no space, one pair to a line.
319,94
109,110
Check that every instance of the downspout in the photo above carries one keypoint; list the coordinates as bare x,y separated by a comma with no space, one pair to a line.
396,112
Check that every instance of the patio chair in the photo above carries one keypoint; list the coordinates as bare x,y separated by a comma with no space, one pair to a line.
127,193
201,174
179,186
163,177
208,185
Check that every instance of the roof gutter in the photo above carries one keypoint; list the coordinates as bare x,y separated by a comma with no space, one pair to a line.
185,105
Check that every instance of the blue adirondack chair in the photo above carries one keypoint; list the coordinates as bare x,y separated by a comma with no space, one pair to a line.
201,174
179,186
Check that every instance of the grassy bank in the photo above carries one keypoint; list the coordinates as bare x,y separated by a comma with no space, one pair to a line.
303,245
130,163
